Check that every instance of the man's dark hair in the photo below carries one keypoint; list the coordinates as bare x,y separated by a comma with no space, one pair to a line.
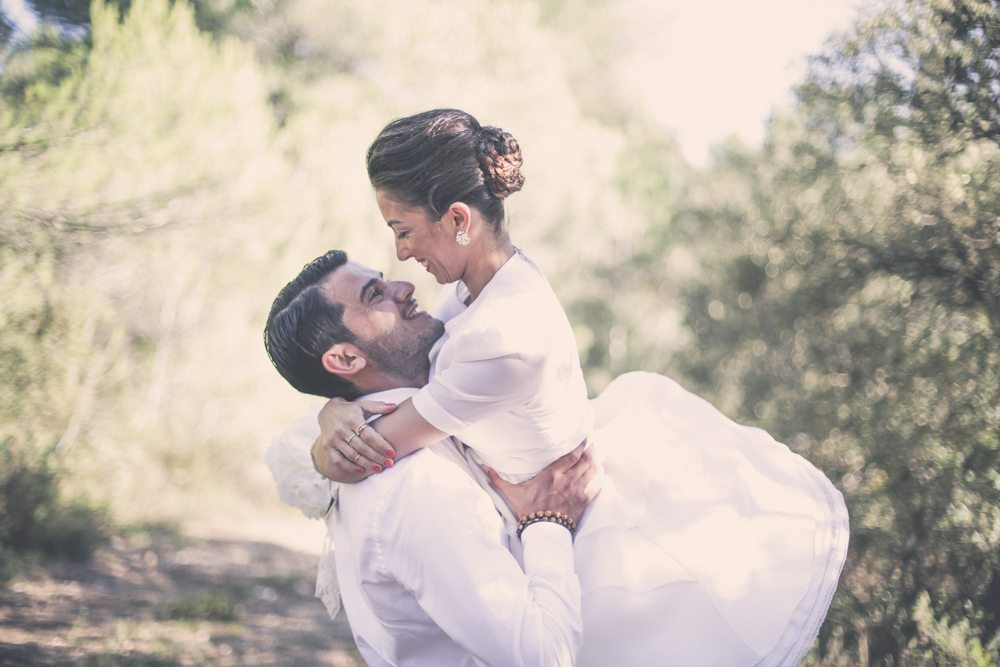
303,324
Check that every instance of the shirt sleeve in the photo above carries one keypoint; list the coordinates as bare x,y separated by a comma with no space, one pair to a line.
449,553
488,374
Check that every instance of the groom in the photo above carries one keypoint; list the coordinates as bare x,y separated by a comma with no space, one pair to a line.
426,570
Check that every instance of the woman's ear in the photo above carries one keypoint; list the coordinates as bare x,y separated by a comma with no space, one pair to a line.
344,359
459,217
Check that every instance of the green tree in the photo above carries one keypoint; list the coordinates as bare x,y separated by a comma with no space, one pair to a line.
850,302
130,167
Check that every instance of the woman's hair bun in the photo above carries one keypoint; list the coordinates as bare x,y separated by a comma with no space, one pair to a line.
500,160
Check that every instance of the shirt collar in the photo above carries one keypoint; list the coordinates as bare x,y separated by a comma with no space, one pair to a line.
397,395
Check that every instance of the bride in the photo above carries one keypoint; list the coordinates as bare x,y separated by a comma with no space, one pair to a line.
708,536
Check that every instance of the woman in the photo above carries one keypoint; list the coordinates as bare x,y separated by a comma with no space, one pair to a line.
710,542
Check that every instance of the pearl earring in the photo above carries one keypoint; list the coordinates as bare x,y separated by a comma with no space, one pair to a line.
461,238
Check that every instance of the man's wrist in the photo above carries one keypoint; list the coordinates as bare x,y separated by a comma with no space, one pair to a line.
547,516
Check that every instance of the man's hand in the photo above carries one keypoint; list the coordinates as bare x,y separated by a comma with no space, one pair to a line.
347,451
563,486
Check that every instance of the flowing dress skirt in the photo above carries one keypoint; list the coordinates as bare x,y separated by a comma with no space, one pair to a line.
710,544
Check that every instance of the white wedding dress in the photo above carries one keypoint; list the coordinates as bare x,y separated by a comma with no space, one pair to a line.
710,544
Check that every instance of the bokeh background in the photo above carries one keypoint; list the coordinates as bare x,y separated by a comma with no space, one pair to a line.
165,167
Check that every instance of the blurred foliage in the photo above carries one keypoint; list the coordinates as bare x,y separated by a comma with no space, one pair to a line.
35,519
162,178
847,298
207,606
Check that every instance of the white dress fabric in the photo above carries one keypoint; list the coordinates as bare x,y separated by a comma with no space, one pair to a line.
710,544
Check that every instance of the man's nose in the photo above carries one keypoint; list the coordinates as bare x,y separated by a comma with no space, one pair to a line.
402,290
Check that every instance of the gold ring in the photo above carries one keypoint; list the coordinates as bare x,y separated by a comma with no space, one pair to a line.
361,428
353,436
357,458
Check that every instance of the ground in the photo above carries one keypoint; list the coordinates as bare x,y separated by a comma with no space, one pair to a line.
152,597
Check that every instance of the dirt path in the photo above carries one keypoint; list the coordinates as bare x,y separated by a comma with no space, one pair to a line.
155,599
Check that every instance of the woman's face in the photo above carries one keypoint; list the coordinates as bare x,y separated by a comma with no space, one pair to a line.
429,242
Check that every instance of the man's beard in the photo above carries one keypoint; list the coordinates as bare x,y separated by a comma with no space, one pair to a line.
404,356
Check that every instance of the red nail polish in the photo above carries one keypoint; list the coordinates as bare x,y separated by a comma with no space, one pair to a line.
388,463
390,405
361,471
377,468
391,454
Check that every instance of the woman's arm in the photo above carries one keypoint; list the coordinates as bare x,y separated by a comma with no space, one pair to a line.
407,427
492,373
348,450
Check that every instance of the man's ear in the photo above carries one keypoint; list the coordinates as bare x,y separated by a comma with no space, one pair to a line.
344,359
458,217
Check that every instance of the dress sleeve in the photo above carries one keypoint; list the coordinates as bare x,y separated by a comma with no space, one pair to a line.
291,466
488,373
445,550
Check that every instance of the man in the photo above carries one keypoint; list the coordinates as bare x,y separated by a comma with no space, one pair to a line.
427,572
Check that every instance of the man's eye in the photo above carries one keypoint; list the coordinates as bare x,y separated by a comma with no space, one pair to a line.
376,294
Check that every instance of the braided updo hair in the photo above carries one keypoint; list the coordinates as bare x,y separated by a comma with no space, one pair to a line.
436,158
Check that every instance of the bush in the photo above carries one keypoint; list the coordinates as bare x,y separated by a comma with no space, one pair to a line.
210,606
34,518
8,565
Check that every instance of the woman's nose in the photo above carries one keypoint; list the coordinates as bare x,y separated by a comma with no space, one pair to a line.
402,252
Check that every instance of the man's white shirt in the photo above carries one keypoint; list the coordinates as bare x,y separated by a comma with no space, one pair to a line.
425,565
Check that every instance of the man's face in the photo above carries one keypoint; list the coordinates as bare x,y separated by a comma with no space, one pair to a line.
390,328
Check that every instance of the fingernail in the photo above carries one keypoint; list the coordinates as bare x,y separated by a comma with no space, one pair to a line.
391,454
377,468
360,471
388,463
390,405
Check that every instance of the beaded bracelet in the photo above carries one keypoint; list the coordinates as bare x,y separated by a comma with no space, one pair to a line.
547,515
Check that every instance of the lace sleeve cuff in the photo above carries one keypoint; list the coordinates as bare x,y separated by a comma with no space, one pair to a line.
291,466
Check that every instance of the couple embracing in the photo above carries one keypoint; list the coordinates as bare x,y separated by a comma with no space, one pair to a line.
486,512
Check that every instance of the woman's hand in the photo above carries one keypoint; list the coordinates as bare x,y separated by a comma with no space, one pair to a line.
563,486
347,449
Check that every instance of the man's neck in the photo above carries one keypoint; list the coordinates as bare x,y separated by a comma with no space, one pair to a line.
379,382
397,395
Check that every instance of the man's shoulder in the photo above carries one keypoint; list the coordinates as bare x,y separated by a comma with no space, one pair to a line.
427,477
424,495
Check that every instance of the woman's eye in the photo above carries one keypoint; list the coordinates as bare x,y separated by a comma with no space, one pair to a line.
402,235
